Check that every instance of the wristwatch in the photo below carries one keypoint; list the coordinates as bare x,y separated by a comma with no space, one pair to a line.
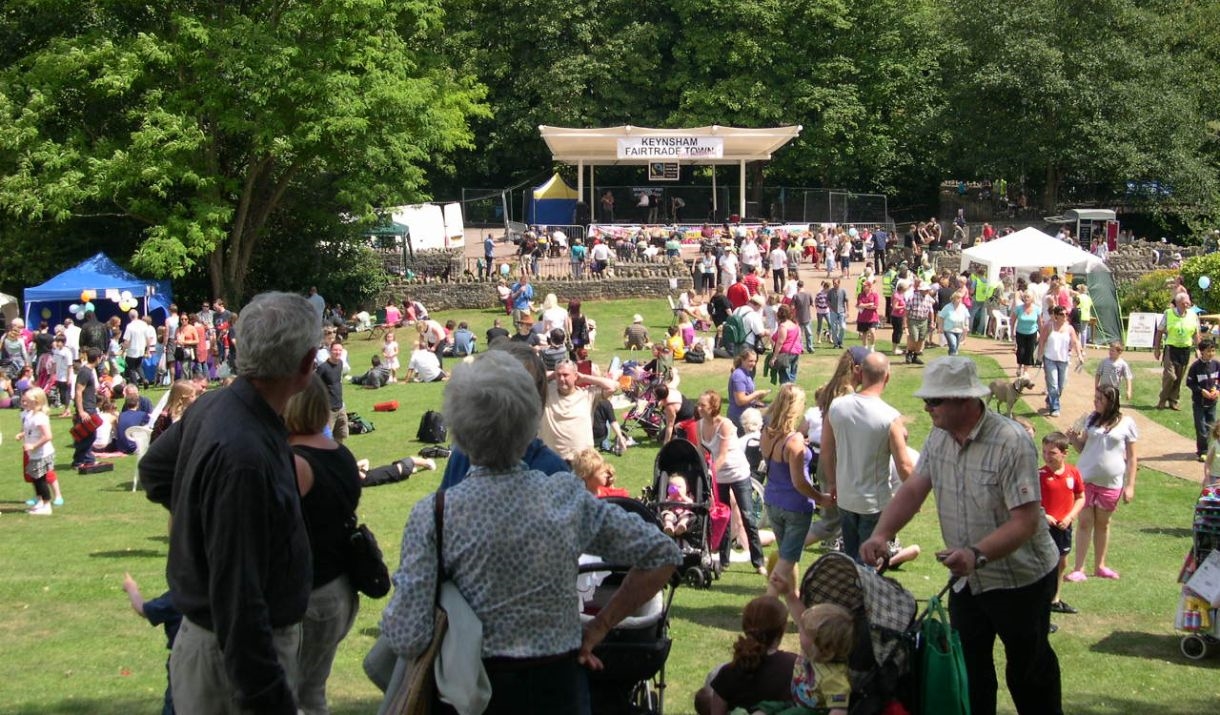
980,559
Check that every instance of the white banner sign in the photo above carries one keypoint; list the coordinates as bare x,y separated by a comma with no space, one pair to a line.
675,147
1140,327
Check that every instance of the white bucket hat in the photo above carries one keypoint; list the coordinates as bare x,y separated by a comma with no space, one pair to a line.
951,377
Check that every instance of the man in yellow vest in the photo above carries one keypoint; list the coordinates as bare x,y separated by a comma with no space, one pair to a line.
1178,333
983,289
1085,301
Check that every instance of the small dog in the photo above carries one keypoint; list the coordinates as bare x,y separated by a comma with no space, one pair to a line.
1005,392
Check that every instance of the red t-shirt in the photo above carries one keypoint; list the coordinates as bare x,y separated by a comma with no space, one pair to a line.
1059,491
752,283
738,295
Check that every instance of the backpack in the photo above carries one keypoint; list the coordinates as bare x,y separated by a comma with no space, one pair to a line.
734,331
432,428
696,355
358,425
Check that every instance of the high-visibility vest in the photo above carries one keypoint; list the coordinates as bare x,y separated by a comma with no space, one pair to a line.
887,282
1180,329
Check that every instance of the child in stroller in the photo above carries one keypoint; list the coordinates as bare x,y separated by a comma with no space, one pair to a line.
707,519
633,654
676,519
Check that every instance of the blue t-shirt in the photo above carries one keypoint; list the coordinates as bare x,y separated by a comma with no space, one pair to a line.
739,381
537,456
128,418
1027,323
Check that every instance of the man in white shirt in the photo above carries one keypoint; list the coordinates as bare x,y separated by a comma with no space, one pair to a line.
72,338
424,366
138,338
859,437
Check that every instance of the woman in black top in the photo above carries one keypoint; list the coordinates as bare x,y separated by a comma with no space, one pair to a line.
329,483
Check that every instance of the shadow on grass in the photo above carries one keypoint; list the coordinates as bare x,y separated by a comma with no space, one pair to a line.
722,617
82,706
1171,457
128,554
164,539
1177,532
1090,705
120,487
371,632
1133,644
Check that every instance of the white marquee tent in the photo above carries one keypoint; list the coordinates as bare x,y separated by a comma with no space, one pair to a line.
1032,249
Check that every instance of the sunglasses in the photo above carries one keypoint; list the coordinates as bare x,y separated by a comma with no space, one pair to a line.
934,401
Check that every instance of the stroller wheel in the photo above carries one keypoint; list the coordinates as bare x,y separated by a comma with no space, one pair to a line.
1194,647
697,578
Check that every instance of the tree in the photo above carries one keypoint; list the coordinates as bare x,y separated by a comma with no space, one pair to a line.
199,119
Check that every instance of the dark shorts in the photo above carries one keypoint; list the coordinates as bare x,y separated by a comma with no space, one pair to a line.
1062,539
864,326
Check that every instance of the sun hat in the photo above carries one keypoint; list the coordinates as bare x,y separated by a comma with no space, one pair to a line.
950,377
757,299
527,319
637,318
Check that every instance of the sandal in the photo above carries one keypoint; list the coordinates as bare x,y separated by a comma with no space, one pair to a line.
1076,577
1106,572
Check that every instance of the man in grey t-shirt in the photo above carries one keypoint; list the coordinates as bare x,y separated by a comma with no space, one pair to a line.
802,303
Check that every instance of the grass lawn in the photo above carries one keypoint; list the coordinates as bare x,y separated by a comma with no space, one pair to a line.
74,646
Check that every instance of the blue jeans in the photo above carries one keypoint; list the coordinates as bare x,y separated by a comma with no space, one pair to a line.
1205,415
837,327
745,501
790,529
856,530
1056,381
82,450
977,311
951,342
808,334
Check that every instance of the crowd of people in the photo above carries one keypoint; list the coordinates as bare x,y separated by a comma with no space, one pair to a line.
261,504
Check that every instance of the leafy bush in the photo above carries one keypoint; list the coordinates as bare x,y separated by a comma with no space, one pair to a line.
1150,294
1199,267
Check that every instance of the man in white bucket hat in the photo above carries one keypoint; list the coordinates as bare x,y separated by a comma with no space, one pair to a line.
984,470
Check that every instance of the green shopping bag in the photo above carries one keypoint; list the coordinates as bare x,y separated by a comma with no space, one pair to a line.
942,667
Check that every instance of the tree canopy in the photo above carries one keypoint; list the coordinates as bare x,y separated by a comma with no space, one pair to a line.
183,128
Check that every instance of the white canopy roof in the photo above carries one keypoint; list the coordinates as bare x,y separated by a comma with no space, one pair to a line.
1030,248
599,146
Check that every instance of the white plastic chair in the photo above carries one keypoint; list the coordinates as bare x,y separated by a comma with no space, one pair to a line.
1002,326
141,435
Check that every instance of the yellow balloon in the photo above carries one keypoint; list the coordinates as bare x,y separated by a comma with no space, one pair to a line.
84,296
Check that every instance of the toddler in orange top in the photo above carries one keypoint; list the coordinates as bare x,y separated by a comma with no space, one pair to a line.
1062,500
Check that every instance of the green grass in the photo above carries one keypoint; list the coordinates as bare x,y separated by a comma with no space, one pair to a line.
72,644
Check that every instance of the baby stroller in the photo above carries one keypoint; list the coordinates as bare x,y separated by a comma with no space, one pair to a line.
645,412
634,652
881,663
709,518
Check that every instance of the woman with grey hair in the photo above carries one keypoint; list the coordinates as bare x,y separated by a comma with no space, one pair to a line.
526,599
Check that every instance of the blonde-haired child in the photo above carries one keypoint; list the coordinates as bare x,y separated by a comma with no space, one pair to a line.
597,474
820,681
676,519
38,451
389,354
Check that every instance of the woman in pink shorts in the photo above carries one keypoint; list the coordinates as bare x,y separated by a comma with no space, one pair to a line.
1107,464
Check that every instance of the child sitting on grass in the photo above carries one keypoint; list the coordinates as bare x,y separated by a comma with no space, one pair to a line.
820,681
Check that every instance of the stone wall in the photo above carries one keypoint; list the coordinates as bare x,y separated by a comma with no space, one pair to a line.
644,280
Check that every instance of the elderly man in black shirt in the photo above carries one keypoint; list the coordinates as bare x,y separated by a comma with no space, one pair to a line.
239,561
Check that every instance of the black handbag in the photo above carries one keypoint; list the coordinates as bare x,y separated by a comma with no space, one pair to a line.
366,567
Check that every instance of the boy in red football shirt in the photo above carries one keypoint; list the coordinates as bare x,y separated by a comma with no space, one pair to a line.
1062,499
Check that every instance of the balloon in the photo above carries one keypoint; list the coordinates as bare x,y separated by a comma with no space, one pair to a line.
74,308
1205,282
45,313
80,315
84,296
127,296
853,232
89,307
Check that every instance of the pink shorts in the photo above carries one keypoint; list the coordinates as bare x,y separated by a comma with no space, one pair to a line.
1102,497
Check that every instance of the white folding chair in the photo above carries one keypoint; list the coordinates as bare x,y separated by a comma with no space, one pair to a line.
1002,329
140,435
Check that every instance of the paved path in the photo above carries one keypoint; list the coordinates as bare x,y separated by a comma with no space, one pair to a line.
1159,447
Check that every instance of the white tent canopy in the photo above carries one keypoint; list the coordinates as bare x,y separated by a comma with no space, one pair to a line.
600,146
1030,248
10,306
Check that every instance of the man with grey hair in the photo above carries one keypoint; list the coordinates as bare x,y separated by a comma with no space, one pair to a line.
859,436
239,562
1177,332
984,469
567,415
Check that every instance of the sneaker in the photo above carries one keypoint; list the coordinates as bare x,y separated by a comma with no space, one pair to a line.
1054,413
430,465
1062,607
31,502
916,361
1106,572
762,570
43,509
1076,577
58,501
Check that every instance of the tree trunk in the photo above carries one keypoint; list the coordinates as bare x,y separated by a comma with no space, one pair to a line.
1050,191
